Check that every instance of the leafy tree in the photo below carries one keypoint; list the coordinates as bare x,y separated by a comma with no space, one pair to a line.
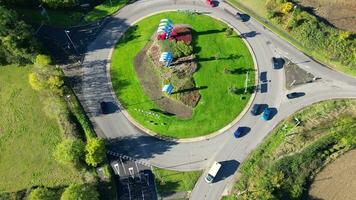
69,151
95,151
80,192
17,44
42,61
286,7
229,31
42,193
60,3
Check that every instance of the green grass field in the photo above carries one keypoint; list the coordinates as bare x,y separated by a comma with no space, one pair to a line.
169,182
27,137
66,18
217,106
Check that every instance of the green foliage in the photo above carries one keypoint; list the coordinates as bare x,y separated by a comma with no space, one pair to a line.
95,152
42,61
42,193
17,44
34,81
274,173
181,49
70,151
30,3
229,31
286,7
80,192
55,4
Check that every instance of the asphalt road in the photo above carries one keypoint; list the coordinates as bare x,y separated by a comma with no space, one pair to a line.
129,140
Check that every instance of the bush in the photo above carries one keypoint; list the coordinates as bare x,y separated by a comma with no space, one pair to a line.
180,49
31,3
41,193
80,192
17,43
95,152
69,151
286,7
60,3
34,81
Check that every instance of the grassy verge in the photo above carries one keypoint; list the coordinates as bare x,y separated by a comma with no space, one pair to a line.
28,137
256,9
285,163
217,106
169,182
67,18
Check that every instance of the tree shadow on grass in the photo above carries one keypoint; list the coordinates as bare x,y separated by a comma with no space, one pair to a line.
167,188
238,71
213,31
239,91
190,89
162,112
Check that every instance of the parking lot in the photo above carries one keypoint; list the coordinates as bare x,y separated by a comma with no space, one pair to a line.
134,179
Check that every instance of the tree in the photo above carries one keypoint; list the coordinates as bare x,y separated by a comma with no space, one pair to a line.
69,151
95,151
229,31
17,43
80,192
60,3
286,7
42,193
42,61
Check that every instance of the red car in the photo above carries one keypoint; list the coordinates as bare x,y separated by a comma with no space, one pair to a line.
211,3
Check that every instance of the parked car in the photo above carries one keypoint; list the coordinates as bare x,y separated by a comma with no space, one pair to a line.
238,132
295,95
266,114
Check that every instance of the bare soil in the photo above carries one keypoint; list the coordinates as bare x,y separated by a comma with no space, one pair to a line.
295,75
340,13
337,181
152,86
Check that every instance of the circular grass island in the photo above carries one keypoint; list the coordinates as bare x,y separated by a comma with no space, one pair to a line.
208,94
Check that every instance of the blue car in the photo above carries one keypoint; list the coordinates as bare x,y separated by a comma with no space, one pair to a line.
238,132
266,114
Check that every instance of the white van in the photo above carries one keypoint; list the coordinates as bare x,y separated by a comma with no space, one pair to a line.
212,172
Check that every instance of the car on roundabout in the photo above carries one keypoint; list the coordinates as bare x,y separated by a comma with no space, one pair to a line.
239,131
266,114
294,95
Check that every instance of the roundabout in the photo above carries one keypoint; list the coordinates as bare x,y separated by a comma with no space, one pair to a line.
126,139
223,77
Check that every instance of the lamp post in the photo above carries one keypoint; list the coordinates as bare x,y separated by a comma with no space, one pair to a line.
66,32
294,8
44,12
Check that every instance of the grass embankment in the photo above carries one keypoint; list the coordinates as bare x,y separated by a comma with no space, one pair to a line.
283,166
215,51
306,32
169,182
67,18
28,137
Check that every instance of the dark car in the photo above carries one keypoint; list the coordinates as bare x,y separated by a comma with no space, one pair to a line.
108,107
238,132
255,110
295,95
277,63
266,114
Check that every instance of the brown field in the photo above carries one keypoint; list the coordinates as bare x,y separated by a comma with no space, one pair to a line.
340,13
337,181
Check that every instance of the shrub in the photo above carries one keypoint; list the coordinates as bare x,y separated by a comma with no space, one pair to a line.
42,193
180,49
95,152
229,31
42,60
80,192
34,81
69,151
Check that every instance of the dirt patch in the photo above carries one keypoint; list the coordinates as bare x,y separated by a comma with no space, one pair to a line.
337,181
295,75
152,86
340,13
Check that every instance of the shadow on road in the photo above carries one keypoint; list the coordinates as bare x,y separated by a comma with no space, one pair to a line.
140,146
228,168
